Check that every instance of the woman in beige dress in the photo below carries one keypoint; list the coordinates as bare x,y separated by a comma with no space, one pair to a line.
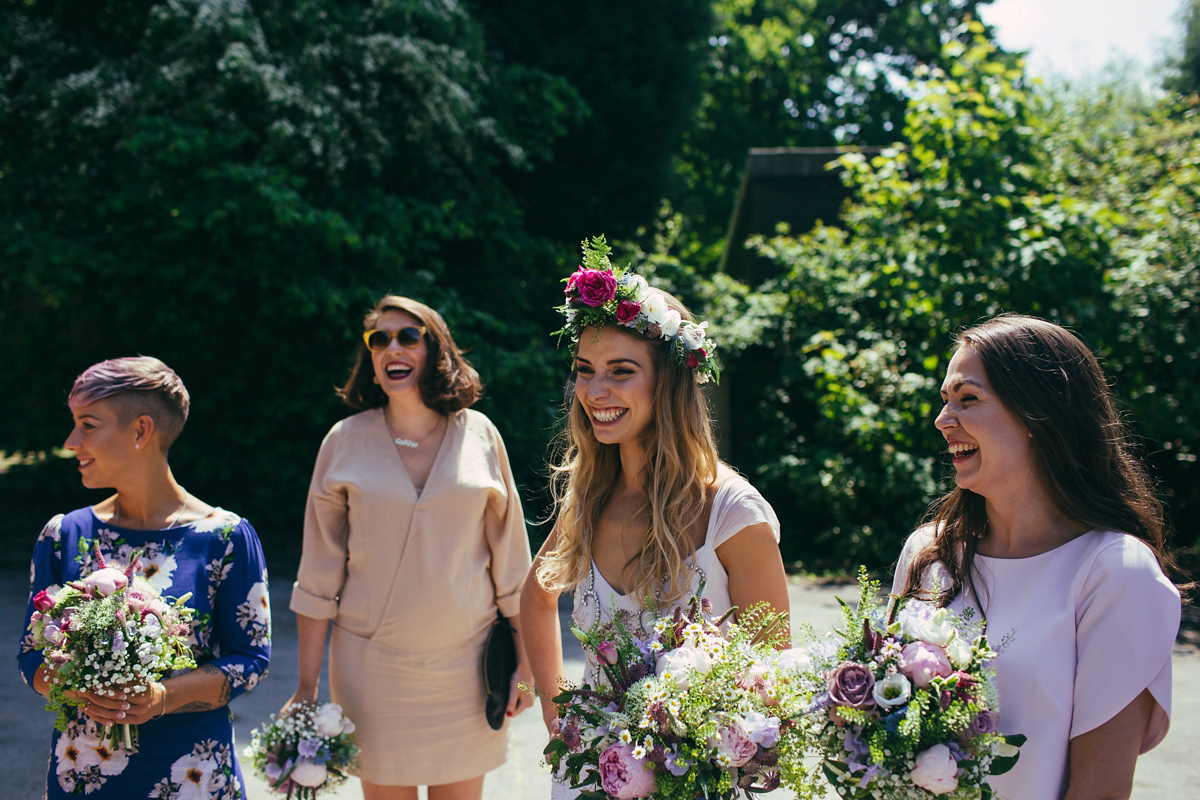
413,538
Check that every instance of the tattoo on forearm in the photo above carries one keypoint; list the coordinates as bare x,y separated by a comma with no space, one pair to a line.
203,705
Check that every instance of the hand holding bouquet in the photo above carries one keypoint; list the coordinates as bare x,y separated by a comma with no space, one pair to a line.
304,750
109,632
689,710
909,708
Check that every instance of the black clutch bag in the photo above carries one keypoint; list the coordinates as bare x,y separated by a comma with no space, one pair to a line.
499,664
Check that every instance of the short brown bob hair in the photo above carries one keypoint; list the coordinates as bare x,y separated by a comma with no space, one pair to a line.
448,383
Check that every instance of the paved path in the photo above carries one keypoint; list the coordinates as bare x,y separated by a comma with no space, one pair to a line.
1162,774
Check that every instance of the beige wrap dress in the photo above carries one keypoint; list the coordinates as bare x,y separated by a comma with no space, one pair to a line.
412,581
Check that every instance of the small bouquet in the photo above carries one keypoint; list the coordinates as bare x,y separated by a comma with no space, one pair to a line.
688,710
109,631
307,749
909,708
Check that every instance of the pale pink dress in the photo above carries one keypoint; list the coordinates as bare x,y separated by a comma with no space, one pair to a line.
736,506
1086,627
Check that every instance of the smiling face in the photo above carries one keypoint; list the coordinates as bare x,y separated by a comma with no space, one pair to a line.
990,446
614,383
102,443
398,369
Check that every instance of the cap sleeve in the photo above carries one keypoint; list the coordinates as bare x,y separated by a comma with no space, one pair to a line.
737,506
1127,618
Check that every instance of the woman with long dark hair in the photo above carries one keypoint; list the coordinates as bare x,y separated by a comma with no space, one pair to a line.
413,540
1054,535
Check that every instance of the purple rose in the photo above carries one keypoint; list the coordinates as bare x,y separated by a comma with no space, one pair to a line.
595,286
627,311
984,722
622,775
936,771
923,662
851,685
607,652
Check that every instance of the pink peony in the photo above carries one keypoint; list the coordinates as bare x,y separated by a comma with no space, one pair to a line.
627,311
43,601
622,775
595,286
936,771
734,742
923,662
106,581
851,685
309,773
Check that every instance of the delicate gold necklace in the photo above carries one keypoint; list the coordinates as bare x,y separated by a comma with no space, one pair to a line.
409,443
171,523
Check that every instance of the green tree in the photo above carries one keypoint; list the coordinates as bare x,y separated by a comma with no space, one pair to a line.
961,222
228,186
814,73
1184,75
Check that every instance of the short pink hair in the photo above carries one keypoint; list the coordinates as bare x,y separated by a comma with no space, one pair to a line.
137,385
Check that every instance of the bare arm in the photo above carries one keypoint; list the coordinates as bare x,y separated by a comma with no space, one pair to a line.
518,700
542,638
751,557
310,634
1102,760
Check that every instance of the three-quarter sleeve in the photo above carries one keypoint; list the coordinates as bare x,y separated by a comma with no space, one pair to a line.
241,613
1127,618
45,570
322,571
504,527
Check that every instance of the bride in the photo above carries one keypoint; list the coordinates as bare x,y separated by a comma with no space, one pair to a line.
646,513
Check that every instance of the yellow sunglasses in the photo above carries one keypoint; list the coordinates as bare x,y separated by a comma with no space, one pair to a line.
378,339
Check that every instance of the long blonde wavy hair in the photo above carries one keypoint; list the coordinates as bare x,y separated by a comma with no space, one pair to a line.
681,463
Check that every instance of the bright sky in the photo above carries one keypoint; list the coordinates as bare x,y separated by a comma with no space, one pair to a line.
1076,38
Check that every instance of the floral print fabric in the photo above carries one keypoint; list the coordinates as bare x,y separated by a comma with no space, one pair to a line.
182,755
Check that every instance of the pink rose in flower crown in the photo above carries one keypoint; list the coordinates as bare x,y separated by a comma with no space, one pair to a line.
851,685
627,311
594,286
936,771
622,775
923,662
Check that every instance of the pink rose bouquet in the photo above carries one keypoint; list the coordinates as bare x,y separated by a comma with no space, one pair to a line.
688,707
910,707
109,631
307,750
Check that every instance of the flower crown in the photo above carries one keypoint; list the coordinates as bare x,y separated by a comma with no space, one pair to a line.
600,295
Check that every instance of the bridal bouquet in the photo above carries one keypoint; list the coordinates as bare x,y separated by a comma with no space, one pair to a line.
306,750
909,708
689,709
109,631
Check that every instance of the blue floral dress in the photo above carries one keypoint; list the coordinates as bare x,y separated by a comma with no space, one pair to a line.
182,755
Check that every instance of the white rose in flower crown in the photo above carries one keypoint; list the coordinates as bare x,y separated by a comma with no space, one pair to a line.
309,773
637,283
671,322
328,719
654,307
680,662
959,652
692,334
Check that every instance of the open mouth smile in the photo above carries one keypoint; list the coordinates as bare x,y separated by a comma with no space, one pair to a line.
397,371
961,451
608,415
